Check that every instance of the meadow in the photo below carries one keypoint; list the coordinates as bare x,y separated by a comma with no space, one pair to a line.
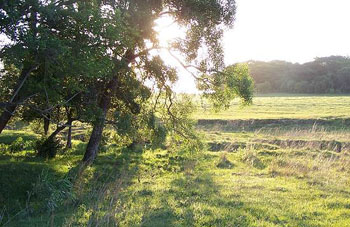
284,161
283,106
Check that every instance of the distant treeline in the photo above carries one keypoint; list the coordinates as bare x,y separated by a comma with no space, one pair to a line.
323,75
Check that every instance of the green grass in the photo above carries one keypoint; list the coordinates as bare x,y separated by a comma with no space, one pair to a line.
267,175
9,136
279,187
284,107
154,190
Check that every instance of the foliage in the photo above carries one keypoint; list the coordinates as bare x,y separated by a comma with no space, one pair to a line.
159,136
19,145
326,75
36,127
99,59
234,81
180,127
48,147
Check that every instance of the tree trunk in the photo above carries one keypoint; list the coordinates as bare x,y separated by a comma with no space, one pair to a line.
96,135
94,141
12,105
69,138
46,125
6,116
69,135
59,129
104,105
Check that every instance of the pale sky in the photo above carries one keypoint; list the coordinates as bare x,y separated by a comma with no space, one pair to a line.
291,30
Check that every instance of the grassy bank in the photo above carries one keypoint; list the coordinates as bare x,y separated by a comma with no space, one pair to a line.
267,174
267,186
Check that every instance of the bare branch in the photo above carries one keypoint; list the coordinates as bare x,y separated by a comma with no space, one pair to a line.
186,67
22,82
61,104
166,13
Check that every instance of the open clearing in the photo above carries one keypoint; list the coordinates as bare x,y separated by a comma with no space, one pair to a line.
283,107
272,172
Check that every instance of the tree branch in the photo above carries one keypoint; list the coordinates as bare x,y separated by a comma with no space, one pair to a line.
22,82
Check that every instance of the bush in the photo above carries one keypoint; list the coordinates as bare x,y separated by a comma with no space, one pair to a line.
106,136
159,137
4,148
36,127
19,145
48,147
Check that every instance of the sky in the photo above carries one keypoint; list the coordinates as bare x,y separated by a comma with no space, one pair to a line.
290,30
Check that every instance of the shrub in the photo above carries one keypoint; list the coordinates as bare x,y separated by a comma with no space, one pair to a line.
36,127
159,137
4,148
106,136
17,145
48,147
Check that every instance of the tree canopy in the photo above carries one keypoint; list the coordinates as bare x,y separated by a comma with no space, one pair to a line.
96,59
322,76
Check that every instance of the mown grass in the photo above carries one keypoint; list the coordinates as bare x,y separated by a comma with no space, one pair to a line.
282,107
248,187
259,182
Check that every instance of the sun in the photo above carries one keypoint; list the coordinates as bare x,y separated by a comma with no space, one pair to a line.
168,31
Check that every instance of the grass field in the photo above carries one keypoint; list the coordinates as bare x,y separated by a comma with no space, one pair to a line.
270,172
284,107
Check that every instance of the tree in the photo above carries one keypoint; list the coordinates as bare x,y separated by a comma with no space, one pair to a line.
33,44
204,21
108,52
54,57
323,75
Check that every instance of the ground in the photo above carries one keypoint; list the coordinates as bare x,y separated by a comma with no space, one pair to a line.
265,165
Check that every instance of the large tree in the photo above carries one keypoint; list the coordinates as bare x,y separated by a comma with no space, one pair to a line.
50,57
108,51
135,62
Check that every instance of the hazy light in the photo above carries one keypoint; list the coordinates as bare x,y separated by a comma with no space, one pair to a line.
168,32
291,30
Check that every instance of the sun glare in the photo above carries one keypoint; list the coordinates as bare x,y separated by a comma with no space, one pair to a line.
168,31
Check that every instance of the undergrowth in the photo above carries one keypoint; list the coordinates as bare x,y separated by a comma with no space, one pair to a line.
265,185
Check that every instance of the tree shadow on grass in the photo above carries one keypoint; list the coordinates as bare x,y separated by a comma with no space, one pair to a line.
98,186
19,172
16,183
195,201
